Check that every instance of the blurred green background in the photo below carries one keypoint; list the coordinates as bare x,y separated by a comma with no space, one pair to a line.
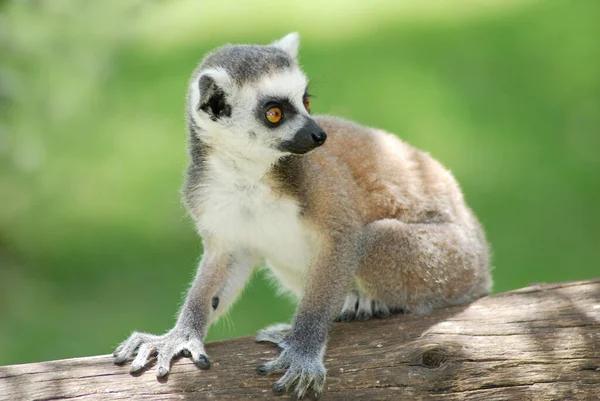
94,241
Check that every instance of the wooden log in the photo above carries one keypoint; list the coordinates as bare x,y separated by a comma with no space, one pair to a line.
537,343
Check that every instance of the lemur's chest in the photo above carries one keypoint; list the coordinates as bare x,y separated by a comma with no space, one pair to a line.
252,215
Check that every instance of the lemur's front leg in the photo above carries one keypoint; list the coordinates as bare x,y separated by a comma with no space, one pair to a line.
220,278
303,349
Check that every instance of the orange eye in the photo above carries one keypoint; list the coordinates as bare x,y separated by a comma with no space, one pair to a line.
307,104
274,115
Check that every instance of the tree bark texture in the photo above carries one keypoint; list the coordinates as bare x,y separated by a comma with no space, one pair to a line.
541,342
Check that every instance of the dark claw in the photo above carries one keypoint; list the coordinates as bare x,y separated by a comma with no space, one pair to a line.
262,370
185,353
362,316
202,362
278,388
347,316
381,314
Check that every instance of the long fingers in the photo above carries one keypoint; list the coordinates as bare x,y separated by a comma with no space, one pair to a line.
143,354
165,355
128,347
143,346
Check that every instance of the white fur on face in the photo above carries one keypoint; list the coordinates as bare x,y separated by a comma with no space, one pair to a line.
243,135
289,84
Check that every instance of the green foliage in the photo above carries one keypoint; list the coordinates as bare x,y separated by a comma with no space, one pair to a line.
94,241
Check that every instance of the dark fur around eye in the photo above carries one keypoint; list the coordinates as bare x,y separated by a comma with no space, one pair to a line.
288,110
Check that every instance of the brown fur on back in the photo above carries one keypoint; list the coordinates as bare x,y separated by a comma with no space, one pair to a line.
384,176
368,180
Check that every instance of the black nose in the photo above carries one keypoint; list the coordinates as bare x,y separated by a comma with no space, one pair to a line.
318,137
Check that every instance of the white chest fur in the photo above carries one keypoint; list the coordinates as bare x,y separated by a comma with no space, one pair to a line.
243,211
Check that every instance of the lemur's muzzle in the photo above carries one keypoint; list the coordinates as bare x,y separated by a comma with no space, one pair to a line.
310,136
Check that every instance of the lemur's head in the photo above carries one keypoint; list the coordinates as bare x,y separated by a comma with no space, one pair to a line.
253,99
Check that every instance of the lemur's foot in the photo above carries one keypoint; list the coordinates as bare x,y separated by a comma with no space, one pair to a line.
305,375
168,346
274,334
359,306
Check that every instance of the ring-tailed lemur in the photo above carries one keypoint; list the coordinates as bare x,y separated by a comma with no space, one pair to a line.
353,221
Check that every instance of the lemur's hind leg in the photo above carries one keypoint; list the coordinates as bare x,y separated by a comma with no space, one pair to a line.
416,267
274,334
381,310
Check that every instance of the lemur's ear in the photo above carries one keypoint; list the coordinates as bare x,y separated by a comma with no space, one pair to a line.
289,44
212,99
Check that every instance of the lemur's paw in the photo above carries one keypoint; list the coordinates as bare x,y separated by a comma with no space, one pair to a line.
349,308
168,346
305,376
380,310
359,306
274,334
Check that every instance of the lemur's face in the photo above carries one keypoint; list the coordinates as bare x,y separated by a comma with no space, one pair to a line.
254,99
